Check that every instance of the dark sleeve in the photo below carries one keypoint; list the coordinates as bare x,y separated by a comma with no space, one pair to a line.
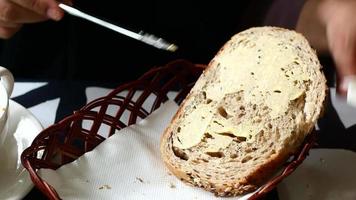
284,13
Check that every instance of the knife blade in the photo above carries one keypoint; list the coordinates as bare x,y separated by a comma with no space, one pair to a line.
141,36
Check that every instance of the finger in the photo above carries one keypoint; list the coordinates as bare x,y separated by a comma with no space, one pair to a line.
6,32
11,12
341,86
9,24
342,37
344,84
345,68
67,2
47,8
343,48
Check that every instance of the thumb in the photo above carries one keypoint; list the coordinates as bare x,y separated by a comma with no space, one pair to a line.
342,45
346,70
48,8
343,84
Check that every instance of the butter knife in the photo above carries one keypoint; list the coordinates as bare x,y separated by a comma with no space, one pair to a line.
141,36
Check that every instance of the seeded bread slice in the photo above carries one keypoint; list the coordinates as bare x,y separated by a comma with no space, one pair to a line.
249,111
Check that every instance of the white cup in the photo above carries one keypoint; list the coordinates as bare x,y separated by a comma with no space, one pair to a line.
6,86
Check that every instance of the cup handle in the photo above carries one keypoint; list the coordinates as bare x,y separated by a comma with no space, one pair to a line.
7,79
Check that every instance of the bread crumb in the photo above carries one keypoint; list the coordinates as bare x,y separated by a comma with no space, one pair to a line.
105,187
140,179
172,185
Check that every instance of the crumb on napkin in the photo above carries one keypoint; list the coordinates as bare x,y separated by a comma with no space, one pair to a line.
172,185
105,187
139,179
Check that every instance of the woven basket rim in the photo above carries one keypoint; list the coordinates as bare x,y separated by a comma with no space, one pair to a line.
28,156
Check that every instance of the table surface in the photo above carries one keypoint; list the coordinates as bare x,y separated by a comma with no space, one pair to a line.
53,100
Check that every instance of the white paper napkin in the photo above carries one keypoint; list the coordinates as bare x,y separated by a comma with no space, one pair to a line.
125,166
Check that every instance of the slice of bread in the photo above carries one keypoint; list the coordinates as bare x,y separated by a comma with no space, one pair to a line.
248,112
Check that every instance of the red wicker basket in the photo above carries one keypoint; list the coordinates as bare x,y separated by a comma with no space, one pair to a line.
67,140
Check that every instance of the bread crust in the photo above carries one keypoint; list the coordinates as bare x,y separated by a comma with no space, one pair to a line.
262,172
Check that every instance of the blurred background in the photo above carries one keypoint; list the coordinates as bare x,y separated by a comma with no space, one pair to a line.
74,49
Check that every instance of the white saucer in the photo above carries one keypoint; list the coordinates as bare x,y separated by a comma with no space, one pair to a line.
23,127
326,174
